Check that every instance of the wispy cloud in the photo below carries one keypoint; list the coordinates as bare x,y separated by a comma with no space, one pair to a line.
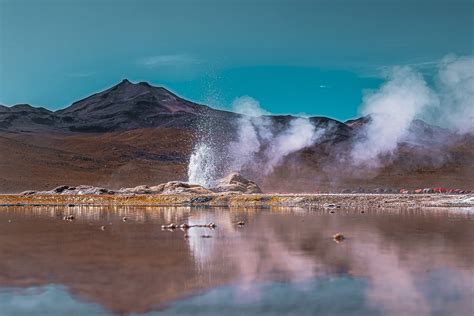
422,66
383,70
168,61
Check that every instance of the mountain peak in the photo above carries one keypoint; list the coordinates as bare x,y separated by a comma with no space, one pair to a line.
23,107
129,105
124,83
140,87
127,90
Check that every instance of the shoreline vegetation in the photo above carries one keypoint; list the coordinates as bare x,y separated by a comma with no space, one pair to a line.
321,201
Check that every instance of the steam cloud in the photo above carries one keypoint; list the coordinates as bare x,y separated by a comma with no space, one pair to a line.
257,141
392,110
259,147
253,127
456,81
406,97
299,135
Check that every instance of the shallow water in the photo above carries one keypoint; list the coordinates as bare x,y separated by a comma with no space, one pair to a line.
281,262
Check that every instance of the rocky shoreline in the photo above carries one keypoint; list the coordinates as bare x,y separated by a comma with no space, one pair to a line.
234,191
321,201
233,183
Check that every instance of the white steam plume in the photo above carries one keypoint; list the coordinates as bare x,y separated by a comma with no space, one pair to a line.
258,148
253,127
405,97
456,80
392,110
255,136
299,135
247,105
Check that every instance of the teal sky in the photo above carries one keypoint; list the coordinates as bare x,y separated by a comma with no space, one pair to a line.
311,57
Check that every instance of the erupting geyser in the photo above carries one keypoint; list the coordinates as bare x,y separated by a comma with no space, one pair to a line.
258,145
202,164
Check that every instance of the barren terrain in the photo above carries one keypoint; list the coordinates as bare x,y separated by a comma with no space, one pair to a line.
326,201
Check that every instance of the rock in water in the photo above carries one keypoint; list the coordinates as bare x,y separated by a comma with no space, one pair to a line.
338,237
234,182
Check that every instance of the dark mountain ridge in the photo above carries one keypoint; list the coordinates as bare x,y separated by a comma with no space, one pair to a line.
124,106
128,106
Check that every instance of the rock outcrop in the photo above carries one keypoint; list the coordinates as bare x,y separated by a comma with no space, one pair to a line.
71,190
177,187
234,182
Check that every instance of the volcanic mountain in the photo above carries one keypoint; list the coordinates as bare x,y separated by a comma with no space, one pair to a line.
125,106
132,134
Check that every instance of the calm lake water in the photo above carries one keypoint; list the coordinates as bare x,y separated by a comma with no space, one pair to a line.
281,262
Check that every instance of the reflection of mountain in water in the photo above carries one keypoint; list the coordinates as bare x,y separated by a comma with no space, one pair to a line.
418,257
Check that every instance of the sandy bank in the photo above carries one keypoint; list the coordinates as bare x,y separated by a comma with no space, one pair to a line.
249,200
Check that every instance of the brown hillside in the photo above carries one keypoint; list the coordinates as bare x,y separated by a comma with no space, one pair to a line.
116,159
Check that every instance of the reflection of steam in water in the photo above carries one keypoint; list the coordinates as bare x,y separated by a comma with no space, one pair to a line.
392,287
202,249
254,253
270,258
410,261
398,284
397,275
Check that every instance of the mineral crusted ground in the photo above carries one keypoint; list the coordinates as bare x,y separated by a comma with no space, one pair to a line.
325,201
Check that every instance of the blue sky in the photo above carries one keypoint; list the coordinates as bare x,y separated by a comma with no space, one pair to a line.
299,57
